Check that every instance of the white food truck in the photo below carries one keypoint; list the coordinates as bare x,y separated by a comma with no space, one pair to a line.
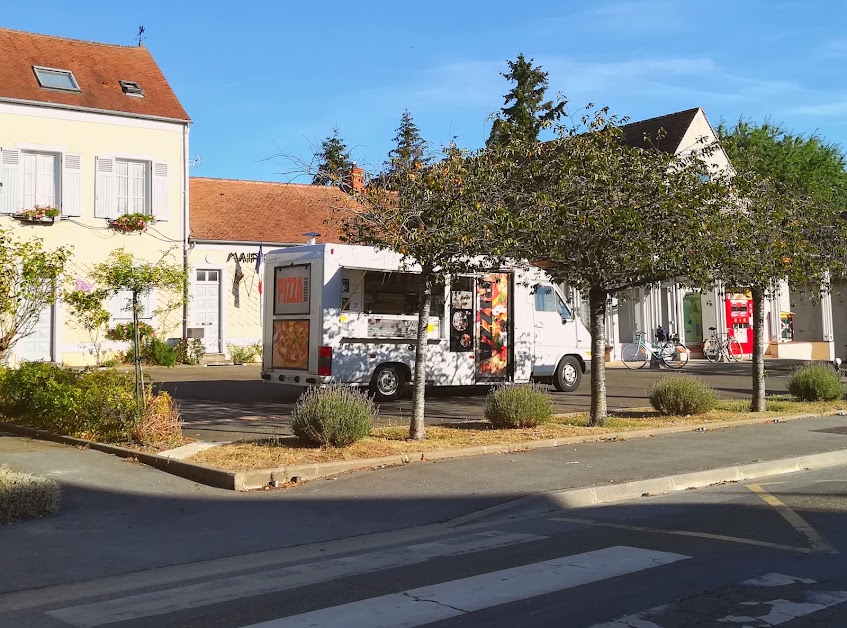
343,313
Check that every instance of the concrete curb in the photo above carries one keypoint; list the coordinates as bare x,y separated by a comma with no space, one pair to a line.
551,501
261,478
195,472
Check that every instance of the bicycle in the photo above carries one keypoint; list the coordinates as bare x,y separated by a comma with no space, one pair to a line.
722,348
670,352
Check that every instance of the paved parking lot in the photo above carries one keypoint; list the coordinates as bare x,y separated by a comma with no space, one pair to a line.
230,402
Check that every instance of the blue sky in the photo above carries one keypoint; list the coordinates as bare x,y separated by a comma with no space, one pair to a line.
266,77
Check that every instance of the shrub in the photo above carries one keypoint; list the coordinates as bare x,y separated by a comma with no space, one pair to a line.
189,350
521,405
98,404
334,416
160,422
815,382
153,351
125,331
24,496
681,395
106,407
244,354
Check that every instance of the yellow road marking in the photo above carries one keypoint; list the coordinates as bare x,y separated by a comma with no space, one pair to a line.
702,535
818,543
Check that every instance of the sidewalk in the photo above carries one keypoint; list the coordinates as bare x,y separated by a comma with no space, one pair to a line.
118,516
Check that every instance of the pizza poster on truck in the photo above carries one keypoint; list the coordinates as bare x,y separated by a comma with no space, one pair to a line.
291,336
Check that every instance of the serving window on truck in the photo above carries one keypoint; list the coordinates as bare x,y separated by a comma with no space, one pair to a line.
384,305
291,302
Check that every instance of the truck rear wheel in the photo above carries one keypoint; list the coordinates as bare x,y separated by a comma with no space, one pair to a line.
387,383
567,375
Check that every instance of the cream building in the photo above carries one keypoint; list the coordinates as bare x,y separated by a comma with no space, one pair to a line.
797,326
95,131
230,221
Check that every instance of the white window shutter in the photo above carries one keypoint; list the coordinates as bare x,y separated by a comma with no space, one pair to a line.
161,195
104,189
10,193
71,185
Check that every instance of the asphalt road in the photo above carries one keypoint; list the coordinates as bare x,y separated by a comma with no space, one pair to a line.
761,554
224,403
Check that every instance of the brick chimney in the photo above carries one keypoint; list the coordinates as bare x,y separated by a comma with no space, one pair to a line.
355,180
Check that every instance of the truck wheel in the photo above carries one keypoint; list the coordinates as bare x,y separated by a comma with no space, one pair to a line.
568,374
387,383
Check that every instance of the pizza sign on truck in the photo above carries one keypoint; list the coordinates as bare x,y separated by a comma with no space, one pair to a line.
291,290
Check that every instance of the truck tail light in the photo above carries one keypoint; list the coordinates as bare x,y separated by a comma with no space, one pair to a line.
324,361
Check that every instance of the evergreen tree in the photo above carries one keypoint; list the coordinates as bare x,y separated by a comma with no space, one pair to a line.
334,159
410,148
526,111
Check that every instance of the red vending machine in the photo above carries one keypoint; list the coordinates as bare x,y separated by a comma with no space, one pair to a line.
739,319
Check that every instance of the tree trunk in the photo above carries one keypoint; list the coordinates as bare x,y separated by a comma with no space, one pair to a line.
758,403
597,303
136,345
417,427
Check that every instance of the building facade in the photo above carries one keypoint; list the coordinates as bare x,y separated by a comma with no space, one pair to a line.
95,131
231,221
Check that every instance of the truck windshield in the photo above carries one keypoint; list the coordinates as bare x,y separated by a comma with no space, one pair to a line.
548,299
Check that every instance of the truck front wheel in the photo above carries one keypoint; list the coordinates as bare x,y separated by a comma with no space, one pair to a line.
568,374
387,383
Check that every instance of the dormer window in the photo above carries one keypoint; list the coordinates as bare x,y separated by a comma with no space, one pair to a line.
53,78
132,88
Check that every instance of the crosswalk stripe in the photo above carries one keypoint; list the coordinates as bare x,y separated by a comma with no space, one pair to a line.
424,605
270,581
745,610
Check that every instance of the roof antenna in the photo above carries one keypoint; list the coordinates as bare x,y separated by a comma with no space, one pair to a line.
140,33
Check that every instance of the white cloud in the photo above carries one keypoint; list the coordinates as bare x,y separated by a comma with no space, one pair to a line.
836,108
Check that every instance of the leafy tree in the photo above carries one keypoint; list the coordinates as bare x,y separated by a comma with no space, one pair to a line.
808,165
334,161
526,111
438,219
410,148
606,217
29,274
87,312
787,226
123,272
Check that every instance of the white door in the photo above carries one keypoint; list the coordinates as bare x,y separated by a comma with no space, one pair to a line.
38,346
207,294
555,329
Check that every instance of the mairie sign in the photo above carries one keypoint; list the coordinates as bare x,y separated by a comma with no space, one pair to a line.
242,257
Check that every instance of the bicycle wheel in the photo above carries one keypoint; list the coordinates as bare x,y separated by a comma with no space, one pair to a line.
712,351
678,358
634,356
735,350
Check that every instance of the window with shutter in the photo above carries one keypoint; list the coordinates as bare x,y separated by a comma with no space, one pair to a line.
71,185
120,307
131,187
10,195
104,188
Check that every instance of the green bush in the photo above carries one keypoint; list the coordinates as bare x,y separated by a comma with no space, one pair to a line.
334,416
815,382
94,404
521,405
125,331
153,351
681,395
24,496
189,350
244,354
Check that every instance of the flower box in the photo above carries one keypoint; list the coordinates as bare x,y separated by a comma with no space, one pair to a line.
131,223
40,214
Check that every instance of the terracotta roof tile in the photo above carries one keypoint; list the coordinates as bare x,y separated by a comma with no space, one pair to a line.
260,211
98,68
674,124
